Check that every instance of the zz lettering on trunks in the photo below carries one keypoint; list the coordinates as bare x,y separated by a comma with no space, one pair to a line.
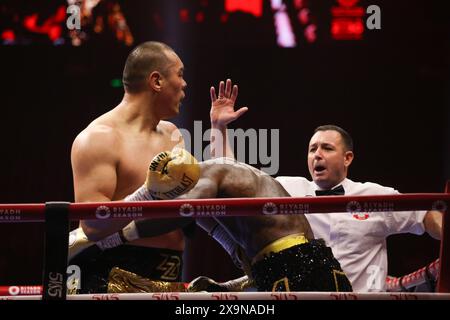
170,267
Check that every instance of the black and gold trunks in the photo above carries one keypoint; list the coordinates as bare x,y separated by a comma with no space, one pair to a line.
151,263
293,263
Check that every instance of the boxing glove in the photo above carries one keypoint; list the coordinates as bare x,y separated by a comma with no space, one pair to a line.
172,173
203,283
79,242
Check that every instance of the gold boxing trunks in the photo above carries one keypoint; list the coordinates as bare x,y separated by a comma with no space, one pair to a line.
122,281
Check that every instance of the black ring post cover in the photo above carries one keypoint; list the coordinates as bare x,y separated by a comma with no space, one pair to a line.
56,248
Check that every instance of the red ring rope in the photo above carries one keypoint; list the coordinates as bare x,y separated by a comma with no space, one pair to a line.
10,213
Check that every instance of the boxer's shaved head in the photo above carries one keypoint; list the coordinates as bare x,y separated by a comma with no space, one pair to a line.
143,60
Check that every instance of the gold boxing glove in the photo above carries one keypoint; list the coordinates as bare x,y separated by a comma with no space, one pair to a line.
172,173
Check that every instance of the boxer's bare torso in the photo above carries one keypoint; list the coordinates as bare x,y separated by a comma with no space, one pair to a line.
110,159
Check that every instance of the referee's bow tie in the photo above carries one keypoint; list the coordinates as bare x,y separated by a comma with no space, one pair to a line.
338,191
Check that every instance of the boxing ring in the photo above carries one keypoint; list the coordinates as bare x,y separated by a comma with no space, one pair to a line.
57,215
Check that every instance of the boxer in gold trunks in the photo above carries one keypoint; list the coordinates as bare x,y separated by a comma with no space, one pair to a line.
110,158
109,162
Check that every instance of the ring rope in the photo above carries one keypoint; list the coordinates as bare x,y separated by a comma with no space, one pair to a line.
10,213
274,296
415,278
